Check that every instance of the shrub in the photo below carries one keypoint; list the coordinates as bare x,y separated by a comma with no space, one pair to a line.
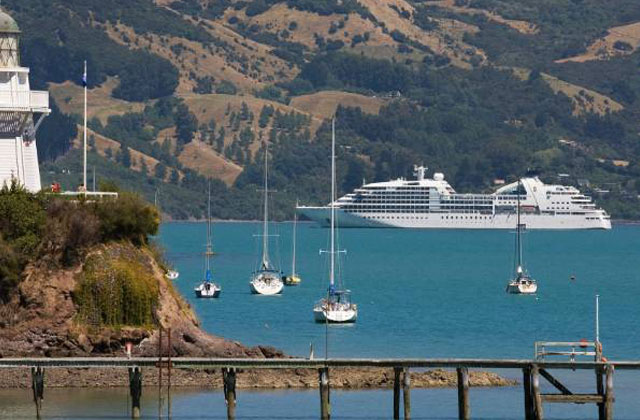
71,228
622,46
116,291
10,270
127,218
226,87
23,218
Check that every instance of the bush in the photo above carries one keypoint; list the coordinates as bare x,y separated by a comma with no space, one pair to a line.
226,87
116,291
127,218
23,218
10,270
71,228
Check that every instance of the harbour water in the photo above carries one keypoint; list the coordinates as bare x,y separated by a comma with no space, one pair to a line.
420,294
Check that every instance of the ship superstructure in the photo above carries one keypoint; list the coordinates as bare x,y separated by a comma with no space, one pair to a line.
18,107
433,203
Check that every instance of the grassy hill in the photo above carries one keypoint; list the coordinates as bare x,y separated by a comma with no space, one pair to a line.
185,90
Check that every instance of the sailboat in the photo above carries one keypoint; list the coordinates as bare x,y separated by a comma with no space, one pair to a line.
522,283
293,279
336,307
208,289
266,279
170,274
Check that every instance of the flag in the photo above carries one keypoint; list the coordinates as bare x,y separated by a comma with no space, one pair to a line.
84,75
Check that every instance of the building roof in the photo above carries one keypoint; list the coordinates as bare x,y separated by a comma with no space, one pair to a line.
7,23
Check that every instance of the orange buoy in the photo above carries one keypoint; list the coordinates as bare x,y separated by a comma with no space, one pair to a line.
584,343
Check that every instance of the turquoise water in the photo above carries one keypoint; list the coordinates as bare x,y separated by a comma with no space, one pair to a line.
429,293
420,294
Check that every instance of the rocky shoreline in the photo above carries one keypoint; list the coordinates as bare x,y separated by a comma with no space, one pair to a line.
348,378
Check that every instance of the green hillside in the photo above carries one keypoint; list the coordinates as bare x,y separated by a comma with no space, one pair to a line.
481,90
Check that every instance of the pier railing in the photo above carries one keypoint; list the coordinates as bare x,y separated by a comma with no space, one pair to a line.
532,371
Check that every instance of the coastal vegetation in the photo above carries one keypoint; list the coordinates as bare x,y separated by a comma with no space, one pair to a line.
115,291
484,91
41,228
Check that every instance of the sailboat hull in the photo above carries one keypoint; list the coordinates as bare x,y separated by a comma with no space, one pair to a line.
266,283
339,316
172,275
292,281
204,292
522,288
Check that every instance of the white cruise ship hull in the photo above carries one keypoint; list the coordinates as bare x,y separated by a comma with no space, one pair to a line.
454,221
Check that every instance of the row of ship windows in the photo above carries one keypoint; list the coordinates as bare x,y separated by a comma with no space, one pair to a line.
442,217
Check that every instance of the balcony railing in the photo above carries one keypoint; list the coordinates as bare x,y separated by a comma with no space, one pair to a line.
35,101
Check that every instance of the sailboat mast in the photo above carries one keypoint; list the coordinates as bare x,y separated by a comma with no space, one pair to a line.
265,227
518,239
295,228
209,246
333,207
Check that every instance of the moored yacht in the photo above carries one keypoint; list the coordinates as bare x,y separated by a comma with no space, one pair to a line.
208,289
266,280
293,279
336,307
522,283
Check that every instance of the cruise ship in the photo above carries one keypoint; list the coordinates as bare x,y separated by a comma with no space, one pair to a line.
431,203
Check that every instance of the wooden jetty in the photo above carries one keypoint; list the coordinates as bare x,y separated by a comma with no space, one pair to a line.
533,370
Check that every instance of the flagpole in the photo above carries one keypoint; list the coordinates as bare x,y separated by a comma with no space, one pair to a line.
85,127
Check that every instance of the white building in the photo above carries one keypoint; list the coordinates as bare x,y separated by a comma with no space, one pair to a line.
21,112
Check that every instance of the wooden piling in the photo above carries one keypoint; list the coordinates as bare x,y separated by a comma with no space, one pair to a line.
537,397
135,391
325,404
600,391
396,393
528,394
160,361
169,359
229,381
464,409
37,385
406,393
608,394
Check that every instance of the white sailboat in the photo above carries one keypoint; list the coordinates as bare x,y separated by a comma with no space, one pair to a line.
336,307
522,283
208,289
293,279
266,279
170,274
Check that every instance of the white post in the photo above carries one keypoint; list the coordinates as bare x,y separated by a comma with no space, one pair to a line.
84,178
597,319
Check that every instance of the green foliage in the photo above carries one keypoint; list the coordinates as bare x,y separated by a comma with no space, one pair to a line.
186,124
23,218
116,291
129,218
226,87
59,58
55,134
11,265
71,228
339,70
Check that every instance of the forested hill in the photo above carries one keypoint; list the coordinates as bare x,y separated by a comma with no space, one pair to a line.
482,90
